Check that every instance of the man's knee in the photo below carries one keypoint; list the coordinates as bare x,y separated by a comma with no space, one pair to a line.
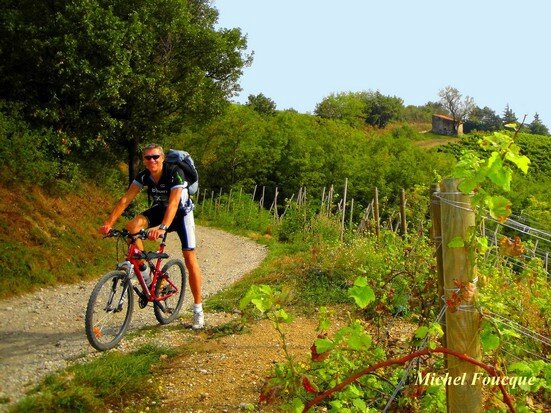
137,223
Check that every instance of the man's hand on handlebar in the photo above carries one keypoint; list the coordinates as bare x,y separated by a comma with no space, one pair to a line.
155,233
104,229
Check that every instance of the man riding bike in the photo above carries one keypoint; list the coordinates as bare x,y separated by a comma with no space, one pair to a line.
172,210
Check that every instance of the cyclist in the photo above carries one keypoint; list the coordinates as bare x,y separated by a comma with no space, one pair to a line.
172,210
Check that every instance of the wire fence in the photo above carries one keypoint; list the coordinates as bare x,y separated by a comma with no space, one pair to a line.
515,243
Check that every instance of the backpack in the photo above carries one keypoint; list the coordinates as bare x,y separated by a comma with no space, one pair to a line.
183,160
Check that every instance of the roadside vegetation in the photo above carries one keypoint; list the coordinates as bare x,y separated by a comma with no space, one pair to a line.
107,383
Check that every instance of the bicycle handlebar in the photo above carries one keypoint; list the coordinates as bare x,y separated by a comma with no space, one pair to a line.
124,233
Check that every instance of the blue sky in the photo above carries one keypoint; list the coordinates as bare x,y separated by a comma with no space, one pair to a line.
497,52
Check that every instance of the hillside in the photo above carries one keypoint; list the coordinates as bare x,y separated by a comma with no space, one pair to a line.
43,238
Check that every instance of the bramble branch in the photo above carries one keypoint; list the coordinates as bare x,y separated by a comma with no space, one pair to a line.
402,360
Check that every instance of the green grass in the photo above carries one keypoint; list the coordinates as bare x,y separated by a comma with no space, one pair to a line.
99,385
273,270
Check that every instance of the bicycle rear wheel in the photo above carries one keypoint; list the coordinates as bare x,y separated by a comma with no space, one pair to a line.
172,281
109,311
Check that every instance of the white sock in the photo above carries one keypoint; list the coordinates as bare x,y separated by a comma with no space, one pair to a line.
198,308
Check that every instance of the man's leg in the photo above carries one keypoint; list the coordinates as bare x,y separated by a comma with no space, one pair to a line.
195,281
194,272
136,224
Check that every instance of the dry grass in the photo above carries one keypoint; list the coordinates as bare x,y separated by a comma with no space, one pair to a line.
44,238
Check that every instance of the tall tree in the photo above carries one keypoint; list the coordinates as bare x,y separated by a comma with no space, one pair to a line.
459,108
484,119
358,108
509,116
537,127
348,107
117,72
381,110
261,104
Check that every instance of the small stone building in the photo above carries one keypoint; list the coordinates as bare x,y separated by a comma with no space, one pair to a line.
444,125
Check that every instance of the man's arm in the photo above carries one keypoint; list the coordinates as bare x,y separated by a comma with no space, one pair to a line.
121,205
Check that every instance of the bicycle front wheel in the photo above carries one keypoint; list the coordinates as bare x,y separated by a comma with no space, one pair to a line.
109,311
172,285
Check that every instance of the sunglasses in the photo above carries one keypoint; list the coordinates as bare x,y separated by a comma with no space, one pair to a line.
149,157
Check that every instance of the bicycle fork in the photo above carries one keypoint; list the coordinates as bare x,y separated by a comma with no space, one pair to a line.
109,307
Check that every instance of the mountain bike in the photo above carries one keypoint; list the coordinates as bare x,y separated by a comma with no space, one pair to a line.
111,303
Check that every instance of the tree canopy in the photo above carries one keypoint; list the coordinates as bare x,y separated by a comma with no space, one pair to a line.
262,104
116,72
484,119
357,108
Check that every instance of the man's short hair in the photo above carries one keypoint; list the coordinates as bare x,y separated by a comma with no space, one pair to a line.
153,146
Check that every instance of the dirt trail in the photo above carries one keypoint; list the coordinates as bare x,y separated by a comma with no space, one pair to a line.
44,331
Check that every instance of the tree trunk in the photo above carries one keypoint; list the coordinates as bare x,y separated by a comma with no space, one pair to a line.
133,159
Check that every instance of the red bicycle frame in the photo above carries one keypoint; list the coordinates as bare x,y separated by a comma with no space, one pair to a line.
135,256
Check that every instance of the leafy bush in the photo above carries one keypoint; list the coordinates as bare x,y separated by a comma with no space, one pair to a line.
36,156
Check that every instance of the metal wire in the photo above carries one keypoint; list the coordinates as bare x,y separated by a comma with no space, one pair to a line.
402,381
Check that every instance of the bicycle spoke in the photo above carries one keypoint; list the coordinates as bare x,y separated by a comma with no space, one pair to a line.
169,289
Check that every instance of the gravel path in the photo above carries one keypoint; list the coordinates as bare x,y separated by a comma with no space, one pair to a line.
44,331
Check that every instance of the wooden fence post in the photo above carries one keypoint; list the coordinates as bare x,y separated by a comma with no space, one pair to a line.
275,203
461,325
403,212
344,207
261,203
229,200
376,212
203,203
330,200
351,213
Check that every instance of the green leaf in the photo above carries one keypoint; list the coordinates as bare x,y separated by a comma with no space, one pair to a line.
469,183
262,304
482,244
522,368
282,316
510,333
456,242
421,332
490,341
360,405
522,162
436,330
323,345
361,292
500,207
297,406
498,173
359,341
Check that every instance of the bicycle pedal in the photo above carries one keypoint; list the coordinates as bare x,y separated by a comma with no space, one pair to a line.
143,302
